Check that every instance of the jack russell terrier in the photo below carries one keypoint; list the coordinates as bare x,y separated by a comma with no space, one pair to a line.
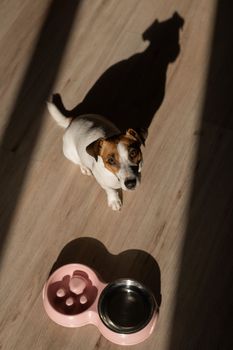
99,148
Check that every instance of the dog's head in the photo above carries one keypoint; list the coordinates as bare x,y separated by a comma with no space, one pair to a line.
121,155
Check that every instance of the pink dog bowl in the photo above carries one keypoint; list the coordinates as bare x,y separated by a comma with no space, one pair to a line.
124,311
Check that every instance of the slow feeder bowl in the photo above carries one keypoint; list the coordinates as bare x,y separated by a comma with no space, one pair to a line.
124,311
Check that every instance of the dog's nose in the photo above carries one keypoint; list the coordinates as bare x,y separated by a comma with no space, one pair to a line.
130,183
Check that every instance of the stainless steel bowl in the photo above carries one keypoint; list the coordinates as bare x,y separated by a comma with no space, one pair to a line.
126,306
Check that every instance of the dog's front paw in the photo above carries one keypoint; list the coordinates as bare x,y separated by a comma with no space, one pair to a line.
85,170
115,204
114,201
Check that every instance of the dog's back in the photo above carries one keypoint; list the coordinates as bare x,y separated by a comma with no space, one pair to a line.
81,132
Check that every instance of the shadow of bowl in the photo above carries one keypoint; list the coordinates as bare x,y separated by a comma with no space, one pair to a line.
132,264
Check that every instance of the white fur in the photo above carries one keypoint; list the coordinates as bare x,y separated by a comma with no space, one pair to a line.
80,133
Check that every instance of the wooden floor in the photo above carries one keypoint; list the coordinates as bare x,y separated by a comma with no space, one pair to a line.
162,64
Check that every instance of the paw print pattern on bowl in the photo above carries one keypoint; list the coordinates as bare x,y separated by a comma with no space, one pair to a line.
73,294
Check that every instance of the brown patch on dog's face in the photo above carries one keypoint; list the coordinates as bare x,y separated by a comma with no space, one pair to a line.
122,156
133,147
110,155
110,152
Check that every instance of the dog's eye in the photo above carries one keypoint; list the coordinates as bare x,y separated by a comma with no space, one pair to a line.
111,161
133,153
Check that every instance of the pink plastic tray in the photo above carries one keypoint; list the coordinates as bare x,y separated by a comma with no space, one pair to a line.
124,311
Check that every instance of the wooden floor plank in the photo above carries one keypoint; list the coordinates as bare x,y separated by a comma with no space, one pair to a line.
50,212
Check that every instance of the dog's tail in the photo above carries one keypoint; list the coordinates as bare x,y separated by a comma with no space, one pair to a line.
57,115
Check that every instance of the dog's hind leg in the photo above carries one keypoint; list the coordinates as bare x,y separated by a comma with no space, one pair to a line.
72,155
70,152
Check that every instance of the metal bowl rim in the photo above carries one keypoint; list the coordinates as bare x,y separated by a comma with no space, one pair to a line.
126,282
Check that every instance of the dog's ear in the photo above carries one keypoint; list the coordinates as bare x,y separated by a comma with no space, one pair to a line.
94,148
139,134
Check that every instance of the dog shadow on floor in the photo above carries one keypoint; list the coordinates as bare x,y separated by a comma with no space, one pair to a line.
131,91
134,263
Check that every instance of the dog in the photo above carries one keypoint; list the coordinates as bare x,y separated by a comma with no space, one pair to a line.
100,149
